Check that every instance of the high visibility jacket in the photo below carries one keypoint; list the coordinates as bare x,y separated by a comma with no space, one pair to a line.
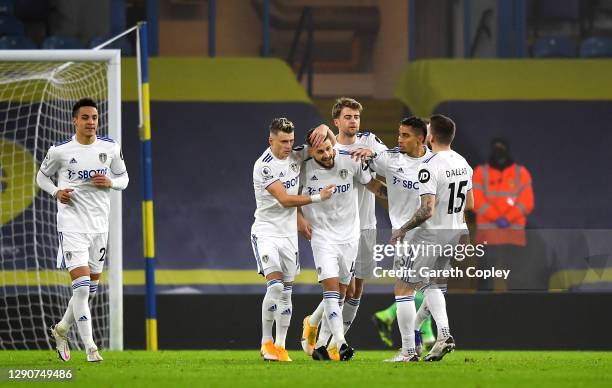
502,193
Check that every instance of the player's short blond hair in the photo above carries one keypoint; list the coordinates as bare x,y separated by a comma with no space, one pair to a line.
345,102
281,124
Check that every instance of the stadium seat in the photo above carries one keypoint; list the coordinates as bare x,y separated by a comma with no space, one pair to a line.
122,44
10,25
16,43
61,42
596,47
554,47
7,7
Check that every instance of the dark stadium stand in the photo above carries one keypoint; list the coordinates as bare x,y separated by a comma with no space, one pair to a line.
554,47
596,47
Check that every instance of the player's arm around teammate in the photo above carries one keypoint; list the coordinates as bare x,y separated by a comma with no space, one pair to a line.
274,232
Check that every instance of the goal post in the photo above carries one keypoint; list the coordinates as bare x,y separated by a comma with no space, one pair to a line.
37,91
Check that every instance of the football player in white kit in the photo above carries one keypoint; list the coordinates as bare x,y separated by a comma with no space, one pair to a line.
87,168
445,184
335,232
400,166
274,233
346,114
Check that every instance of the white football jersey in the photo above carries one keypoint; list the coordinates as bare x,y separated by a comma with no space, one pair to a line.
448,176
271,218
400,171
75,164
336,220
366,198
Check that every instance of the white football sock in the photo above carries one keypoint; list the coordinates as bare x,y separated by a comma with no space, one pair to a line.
333,315
93,289
422,314
269,307
317,315
349,311
324,332
406,313
67,320
437,305
283,319
80,310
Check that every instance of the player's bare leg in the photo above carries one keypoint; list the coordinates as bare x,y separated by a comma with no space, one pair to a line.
269,307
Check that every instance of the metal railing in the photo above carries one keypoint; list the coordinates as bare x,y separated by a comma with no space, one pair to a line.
307,60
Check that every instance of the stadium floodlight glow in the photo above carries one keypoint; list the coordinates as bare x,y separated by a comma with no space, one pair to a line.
37,91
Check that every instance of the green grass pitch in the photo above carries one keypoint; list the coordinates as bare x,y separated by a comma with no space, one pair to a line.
245,368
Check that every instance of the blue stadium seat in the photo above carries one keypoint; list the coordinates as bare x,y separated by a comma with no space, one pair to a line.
61,42
7,7
16,43
122,44
554,47
10,25
596,47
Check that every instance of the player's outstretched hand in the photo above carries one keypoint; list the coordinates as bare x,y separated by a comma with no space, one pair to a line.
361,154
64,195
327,192
100,180
396,236
318,135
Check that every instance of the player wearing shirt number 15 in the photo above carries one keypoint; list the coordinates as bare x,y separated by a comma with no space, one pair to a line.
445,188
87,168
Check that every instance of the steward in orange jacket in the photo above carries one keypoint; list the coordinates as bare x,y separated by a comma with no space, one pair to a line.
503,198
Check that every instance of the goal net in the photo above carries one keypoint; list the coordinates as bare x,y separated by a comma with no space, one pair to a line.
37,91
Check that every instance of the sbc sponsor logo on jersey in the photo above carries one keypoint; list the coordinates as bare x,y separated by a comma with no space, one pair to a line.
290,183
338,189
405,183
87,174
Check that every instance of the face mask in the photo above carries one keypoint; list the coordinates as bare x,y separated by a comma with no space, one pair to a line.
500,158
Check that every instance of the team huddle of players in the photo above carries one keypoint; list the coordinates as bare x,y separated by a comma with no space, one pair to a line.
326,189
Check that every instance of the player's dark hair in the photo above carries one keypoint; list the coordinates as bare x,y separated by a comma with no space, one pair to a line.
81,103
310,131
442,129
419,125
345,102
281,124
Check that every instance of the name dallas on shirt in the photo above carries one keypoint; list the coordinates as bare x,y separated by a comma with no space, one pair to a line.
456,172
